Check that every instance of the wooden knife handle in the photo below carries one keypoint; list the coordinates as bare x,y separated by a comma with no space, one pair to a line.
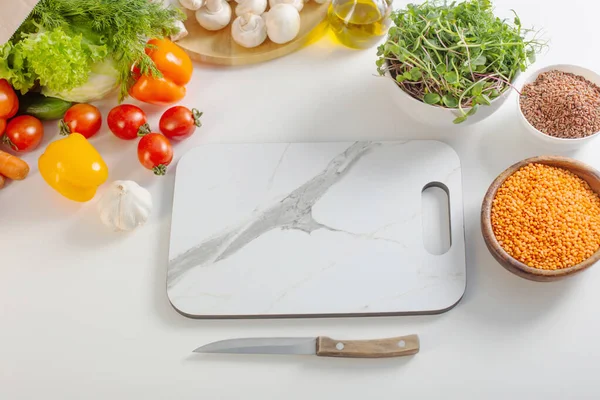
377,348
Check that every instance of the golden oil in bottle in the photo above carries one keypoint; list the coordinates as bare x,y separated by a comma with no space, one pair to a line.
359,23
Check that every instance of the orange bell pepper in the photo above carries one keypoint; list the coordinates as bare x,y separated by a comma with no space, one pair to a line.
176,68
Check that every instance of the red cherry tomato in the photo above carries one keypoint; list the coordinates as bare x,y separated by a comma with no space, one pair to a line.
2,125
178,123
127,122
9,102
155,152
81,118
24,133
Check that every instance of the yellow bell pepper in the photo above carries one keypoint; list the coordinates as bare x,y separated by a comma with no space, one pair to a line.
73,167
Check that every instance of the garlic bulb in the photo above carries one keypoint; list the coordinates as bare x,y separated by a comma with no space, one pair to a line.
249,30
181,32
256,7
192,4
214,15
283,23
299,4
125,206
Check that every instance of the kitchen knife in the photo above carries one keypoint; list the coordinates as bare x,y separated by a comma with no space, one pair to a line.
320,346
12,15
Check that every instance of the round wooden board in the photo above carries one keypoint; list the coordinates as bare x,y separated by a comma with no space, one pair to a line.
218,47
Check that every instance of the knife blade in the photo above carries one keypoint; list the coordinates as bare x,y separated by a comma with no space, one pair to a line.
12,15
322,346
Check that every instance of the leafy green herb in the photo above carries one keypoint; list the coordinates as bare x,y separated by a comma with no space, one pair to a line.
465,55
432,98
59,44
415,74
451,77
473,110
478,88
460,120
450,101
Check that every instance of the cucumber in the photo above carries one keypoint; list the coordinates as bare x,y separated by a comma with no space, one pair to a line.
42,107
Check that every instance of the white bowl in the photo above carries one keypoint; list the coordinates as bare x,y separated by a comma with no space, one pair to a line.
547,141
441,116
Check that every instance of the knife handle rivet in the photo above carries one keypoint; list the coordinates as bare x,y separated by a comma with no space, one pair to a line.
402,344
339,346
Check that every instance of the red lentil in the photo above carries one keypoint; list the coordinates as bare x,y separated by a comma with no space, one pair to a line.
547,217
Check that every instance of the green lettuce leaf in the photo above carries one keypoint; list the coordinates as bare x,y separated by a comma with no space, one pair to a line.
103,80
12,69
57,60
62,41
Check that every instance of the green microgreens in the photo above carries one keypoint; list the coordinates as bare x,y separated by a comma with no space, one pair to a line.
455,55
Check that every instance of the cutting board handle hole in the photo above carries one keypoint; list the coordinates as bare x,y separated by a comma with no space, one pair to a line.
435,208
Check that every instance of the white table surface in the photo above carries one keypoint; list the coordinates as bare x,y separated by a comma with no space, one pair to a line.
84,313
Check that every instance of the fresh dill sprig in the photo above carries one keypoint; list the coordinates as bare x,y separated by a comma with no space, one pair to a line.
123,26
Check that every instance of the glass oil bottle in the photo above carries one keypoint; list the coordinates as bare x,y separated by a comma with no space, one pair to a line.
359,23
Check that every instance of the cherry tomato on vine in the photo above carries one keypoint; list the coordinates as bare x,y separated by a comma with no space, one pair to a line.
178,123
9,102
155,152
24,133
128,122
81,118
2,126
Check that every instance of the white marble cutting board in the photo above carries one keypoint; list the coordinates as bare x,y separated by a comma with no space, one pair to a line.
312,229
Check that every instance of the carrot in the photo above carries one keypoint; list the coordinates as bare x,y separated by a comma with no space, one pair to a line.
2,181
13,167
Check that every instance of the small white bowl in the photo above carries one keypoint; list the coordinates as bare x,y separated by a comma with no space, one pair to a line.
547,141
441,116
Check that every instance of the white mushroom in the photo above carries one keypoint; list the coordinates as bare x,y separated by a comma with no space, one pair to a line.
256,7
214,15
192,4
299,4
249,30
283,23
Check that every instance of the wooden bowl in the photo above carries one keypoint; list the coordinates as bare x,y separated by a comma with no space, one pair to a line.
585,172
